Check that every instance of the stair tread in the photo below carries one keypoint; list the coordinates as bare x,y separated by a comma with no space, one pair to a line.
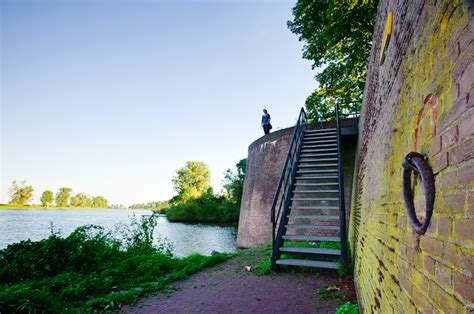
319,227
316,160
320,130
315,207
317,165
320,144
316,177
316,184
312,238
303,155
317,171
321,217
310,250
308,263
318,150
315,198
316,191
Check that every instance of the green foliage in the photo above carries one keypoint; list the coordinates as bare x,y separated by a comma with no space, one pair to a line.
192,180
338,38
91,269
207,208
330,245
47,198
234,182
264,268
62,197
348,307
159,206
20,193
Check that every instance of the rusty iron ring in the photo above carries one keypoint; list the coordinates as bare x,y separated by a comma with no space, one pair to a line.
418,163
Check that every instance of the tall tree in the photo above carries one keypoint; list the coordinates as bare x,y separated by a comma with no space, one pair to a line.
20,193
47,198
338,38
192,180
100,202
234,181
62,197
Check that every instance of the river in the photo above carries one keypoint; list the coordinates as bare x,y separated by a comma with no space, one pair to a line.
34,224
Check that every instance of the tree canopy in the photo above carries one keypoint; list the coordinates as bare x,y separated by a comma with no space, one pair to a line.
62,197
20,193
47,198
338,39
234,181
192,180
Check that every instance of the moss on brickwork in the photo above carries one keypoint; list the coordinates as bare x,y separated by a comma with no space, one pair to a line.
420,99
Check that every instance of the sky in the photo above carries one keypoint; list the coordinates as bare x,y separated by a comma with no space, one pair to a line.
111,97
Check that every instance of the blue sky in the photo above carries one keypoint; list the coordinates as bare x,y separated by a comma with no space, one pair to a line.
111,97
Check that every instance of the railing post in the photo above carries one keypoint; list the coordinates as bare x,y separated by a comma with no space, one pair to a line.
342,206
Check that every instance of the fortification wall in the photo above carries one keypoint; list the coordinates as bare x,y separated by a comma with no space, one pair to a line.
265,161
419,99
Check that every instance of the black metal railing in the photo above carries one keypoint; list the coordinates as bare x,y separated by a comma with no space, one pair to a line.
342,205
285,186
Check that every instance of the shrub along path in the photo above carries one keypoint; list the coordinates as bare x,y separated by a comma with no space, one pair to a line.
228,288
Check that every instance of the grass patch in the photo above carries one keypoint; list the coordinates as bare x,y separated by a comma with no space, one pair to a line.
91,269
330,245
348,308
264,268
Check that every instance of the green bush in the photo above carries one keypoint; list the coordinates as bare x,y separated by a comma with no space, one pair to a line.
348,307
91,269
264,268
207,208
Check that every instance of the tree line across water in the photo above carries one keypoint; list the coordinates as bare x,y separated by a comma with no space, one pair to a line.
195,199
21,194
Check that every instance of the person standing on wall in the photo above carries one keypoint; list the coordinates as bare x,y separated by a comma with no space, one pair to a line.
267,126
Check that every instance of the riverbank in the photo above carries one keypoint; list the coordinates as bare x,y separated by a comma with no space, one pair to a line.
227,288
92,269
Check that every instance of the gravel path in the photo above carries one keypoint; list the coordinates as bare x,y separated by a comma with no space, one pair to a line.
227,288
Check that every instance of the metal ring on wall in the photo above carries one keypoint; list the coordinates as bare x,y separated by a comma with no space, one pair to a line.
418,163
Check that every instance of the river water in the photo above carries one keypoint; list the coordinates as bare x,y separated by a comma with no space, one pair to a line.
34,224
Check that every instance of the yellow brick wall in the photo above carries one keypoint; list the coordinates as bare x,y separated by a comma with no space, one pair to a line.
420,98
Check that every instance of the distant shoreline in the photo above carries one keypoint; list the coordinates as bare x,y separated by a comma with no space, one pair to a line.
6,206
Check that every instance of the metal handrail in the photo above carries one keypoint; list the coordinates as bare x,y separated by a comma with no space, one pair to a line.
342,205
282,194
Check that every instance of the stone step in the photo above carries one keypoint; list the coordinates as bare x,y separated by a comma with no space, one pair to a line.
308,263
314,227
307,250
311,238
308,155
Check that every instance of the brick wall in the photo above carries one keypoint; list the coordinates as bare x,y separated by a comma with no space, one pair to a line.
419,99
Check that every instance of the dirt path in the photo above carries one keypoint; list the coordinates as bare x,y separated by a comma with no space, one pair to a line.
227,288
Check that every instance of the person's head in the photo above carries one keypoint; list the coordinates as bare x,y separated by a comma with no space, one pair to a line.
265,111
